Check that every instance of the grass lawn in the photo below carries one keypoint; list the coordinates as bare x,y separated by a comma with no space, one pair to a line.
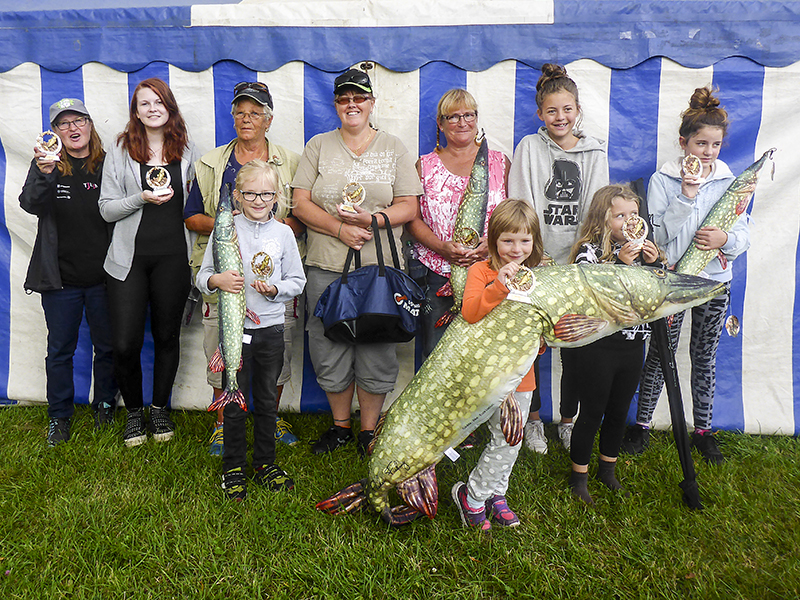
92,519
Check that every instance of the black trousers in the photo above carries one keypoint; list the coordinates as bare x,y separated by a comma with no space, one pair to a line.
262,361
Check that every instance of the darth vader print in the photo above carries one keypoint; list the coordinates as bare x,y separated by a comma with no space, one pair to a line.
563,193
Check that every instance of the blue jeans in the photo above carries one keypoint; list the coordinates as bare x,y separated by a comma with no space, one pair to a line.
63,313
434,308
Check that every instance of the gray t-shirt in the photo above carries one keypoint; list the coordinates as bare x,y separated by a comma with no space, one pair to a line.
385,169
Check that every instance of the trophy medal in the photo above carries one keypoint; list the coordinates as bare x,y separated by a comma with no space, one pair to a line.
49,143
520,285
635,230
262,266
159,179
353,194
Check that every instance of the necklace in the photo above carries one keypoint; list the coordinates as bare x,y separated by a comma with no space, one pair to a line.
364,144
240,154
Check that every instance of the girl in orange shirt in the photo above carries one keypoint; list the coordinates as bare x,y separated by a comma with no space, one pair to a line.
514,239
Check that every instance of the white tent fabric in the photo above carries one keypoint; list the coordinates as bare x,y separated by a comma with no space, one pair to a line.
635,107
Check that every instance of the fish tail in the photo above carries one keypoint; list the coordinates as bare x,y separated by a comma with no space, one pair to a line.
447,318
226,397
351,499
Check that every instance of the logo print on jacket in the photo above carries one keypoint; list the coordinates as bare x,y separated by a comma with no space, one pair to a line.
563,192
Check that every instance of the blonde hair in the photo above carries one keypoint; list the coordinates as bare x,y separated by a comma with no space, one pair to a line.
514,216
450,101
258,168
595,228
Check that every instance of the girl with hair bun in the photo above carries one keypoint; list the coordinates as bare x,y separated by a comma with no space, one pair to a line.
679,202
557,170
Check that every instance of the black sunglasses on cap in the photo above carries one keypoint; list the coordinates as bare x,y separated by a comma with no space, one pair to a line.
352,78
253,89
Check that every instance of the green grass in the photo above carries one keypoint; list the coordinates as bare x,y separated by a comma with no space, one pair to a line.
92,519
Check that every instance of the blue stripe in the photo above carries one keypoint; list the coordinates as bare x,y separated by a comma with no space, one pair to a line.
312,398
319,113
795,333
56,86
226,75
5,286
633,121
545,385
526,121
740,84
158,69
435,79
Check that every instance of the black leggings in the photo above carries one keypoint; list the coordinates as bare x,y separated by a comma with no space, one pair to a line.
605,377
163,283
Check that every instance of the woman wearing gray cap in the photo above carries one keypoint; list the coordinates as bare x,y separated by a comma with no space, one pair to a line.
355,153
251,109
66,267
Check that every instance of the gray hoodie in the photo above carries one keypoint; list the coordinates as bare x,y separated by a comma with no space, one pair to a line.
559,184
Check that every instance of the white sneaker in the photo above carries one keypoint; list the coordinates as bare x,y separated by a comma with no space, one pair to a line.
535,438
565,433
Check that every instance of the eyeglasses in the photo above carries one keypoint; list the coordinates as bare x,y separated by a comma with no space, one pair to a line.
454,119
78,122
345,100
264,196
253,116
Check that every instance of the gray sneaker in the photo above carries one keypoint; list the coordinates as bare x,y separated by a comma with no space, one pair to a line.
161,425
535,439
565,433
135,433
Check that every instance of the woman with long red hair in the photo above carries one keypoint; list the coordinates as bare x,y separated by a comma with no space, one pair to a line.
147,262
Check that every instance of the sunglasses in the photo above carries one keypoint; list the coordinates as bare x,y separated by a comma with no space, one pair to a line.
345,100
250,86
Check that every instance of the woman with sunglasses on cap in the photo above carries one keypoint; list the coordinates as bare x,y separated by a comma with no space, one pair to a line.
147,261
66,267
354,153
251,109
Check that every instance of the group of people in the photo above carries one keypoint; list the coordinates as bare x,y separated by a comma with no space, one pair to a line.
113,243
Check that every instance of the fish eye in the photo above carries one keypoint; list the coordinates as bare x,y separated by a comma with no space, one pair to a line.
660,273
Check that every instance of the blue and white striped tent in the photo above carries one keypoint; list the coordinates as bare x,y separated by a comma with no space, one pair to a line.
636,65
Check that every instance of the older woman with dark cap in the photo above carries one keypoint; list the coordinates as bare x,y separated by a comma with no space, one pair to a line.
251,108
354,153
66,267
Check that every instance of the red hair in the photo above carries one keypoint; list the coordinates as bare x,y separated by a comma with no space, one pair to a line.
134,137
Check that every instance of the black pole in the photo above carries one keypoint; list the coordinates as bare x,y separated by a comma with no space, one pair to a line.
691,491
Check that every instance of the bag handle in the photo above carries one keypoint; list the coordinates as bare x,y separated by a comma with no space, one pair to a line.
390,236
357,253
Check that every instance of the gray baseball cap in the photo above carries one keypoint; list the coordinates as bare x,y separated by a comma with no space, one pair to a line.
67,104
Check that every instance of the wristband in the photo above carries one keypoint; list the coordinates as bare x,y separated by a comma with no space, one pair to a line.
338,233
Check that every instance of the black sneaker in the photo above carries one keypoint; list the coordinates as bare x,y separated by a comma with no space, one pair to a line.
161,425
364,439
57,431
135,433
234,484
707,446
273,478
334,438
103,415
636,440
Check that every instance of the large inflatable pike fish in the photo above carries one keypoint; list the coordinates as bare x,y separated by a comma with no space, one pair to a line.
232,308
476,367
468,227
724,214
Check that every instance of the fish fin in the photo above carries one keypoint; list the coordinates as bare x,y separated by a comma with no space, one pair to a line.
253,316
226,397
511,420
376,432
723,260
573,328
421,492
351,499
445,290
400,515
446,318
216,364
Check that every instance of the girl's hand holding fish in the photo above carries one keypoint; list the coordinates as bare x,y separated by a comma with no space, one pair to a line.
710,238
149,196
227,281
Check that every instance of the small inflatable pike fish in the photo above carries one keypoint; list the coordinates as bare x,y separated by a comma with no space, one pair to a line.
476,367
232,308
724,214
468,227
